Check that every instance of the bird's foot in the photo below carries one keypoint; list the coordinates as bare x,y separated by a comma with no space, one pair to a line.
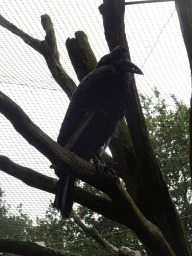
102,168
110,171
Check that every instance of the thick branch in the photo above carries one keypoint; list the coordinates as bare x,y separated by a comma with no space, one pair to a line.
26,248
124,205
51,55
48,48
184,11
81,54
44,144
37,180
152,189
27,175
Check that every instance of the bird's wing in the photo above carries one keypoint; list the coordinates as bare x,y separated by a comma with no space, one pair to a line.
89,95
80,128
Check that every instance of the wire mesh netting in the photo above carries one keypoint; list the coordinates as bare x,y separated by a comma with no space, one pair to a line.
156,46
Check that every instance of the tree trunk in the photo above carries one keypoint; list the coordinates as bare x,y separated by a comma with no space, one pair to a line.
184,10
153,197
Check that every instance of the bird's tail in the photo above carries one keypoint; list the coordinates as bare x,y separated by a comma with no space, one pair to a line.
64,195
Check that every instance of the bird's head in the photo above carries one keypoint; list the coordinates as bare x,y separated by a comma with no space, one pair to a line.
117,58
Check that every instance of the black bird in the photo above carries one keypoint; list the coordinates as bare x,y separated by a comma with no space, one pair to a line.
100,101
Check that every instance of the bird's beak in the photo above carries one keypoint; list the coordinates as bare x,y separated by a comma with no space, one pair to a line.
128,66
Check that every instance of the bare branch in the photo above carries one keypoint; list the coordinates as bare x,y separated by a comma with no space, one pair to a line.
123,251
124,205
102,241
150,184
27,175
26,248
48,48
81,54
34,43
51,55
37,180
60,156
50,38
49,148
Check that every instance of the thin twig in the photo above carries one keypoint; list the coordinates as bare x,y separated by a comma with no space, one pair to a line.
102,241
148,2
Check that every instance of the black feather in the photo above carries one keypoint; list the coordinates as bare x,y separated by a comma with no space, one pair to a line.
102,96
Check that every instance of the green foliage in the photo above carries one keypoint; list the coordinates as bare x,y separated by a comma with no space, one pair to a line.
12,226
65,236
169,132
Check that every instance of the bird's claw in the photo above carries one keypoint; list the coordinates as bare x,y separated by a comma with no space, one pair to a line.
110,171
103,169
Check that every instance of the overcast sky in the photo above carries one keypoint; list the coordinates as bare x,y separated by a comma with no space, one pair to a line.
156,46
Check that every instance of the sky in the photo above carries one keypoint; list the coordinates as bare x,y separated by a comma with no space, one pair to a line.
156,47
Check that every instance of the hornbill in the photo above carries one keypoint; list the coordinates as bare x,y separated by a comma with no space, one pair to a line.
99,102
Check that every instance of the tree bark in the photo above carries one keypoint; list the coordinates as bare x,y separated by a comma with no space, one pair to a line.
26,248
81,54
125,208
153,197
121,147
48,48
184,10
